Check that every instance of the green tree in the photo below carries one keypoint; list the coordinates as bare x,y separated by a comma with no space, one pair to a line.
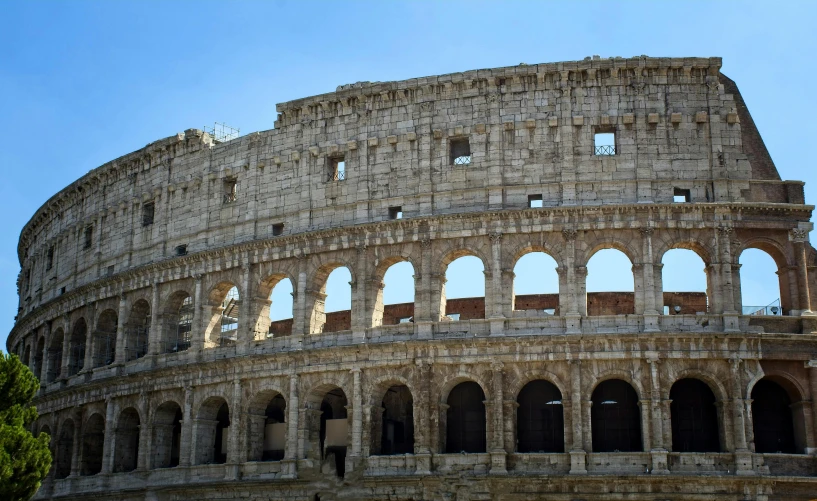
24,458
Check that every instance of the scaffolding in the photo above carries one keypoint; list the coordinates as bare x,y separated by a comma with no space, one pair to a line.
221,132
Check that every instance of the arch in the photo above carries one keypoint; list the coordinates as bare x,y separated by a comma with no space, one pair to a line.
93,438
331,296
772,418
276,318
465,419
27,356
224,305
105,338
76,347
601,300
540,418
55,349
462,294
126,441
332,436
178,322
694,417
394,292
267,413
681,286
394,427
536,278
65,449
615,417
137,330
761,292
167,433
212,431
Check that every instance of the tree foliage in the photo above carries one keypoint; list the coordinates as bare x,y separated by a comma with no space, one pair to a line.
24,458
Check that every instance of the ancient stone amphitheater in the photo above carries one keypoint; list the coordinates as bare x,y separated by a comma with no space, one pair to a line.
145,300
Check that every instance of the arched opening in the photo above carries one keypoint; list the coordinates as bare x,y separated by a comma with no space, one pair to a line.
465,419
93,436
536,283
610,284
65,450
463,292
332,311
225,303
396,422
333,430
27,356
694,417
773,421
76,353
167,434
55,356
212,431
540,418
105,338
615,417
281,308
126,443
137,330
685,292
761,284
178,323
37,365
394,303
267,427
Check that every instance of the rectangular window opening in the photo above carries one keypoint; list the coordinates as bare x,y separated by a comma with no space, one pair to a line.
395,212
62,291
681,196
230,190
49,258
148,211
89,237
181,250
277,229
460,151
534,201
604,143
337,168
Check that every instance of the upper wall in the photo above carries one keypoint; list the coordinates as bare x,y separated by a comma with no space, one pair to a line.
678,124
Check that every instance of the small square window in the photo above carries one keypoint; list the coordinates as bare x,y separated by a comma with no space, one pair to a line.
148,211
62,291
460,151
89,237
110,270
395,213
181,250
277,229
230,190
681,196
604,143
534,201
337,169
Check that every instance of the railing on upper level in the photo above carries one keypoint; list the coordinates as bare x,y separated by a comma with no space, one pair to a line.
605,150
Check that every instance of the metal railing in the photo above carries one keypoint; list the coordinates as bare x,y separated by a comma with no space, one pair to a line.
772,309
605,150
230,198
463,160
338,175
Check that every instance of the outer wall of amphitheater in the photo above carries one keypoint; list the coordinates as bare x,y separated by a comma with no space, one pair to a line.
145,298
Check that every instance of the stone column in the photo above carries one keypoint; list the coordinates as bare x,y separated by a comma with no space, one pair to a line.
76,451
155,336
497,446
811,366
108,438
66,347
800,237
578,464
300,315
730,313
291,452
424,310
650,311
186,441
246,322
743,457
121,341
357,414
145,432
358,313
90,340
658,451
197,335
422,419
236,445
44,366
571,311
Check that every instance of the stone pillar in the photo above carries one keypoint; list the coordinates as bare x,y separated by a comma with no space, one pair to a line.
800,237
155,336
197,335
578,463
497,445
658,450
90,338
357,414
571,311
246,322
121,337
300,315
186,440
236,450
730,313
811,366
66,347
44,366
76,451
497,294
422,418
424,310
145,432
650,311
291,452
358,313
108,438
743,457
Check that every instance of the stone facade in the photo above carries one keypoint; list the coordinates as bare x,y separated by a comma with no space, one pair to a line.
125,274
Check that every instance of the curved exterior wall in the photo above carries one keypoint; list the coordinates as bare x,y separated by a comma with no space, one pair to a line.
91,264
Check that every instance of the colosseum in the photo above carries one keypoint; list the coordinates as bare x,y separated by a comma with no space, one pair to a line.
145,303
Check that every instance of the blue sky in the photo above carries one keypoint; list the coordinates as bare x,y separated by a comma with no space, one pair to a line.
82,83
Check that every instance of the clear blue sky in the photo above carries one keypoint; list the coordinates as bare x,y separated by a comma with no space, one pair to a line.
82,83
